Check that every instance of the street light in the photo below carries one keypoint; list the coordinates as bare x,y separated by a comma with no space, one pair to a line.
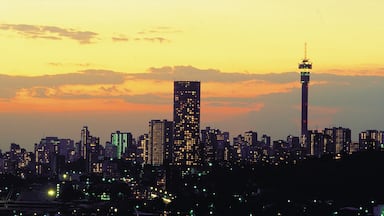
51,192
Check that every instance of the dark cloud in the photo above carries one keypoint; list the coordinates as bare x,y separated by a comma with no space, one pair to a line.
50,32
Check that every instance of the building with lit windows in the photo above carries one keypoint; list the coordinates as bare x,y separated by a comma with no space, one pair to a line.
338,140
214,145
250,137
121,140
186,118
265,141
142,146
160,143
316,146
52,153
89,148
17,161
371,140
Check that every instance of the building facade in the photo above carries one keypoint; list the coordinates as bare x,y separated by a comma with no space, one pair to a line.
338,140
371,140
186,118
121,140
89,148
160,143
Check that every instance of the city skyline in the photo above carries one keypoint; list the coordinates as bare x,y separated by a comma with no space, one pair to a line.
343,106
115,71
191,108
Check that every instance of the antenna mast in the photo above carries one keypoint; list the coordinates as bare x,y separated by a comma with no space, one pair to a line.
305,50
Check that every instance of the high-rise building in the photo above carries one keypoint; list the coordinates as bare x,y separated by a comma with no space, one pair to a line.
293,142
266,141
89,148
17,161
186,117
48,159
208,144
142,147
223,146
316,146
250,137
84,142
121,140
371,140
160,143
67,149
240,149
214,145
305,66
338,140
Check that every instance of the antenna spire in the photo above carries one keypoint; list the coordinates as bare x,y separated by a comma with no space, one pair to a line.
305,50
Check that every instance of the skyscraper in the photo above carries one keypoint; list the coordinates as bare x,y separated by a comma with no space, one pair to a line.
305,66
160,142
339,140
121,140
316,143
89,147
186,117
371,140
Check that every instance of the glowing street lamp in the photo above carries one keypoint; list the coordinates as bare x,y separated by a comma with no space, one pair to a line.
51,192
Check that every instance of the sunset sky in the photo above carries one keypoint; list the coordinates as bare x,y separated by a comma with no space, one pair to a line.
110,65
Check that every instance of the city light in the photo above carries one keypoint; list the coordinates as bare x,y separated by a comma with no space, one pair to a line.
166,200
51,192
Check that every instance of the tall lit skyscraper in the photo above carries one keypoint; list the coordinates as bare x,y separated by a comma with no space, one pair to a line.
87,142
186,117
160,143
121,140
89,147
305,66
84,142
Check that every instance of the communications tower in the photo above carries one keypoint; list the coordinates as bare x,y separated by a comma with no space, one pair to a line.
305,67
